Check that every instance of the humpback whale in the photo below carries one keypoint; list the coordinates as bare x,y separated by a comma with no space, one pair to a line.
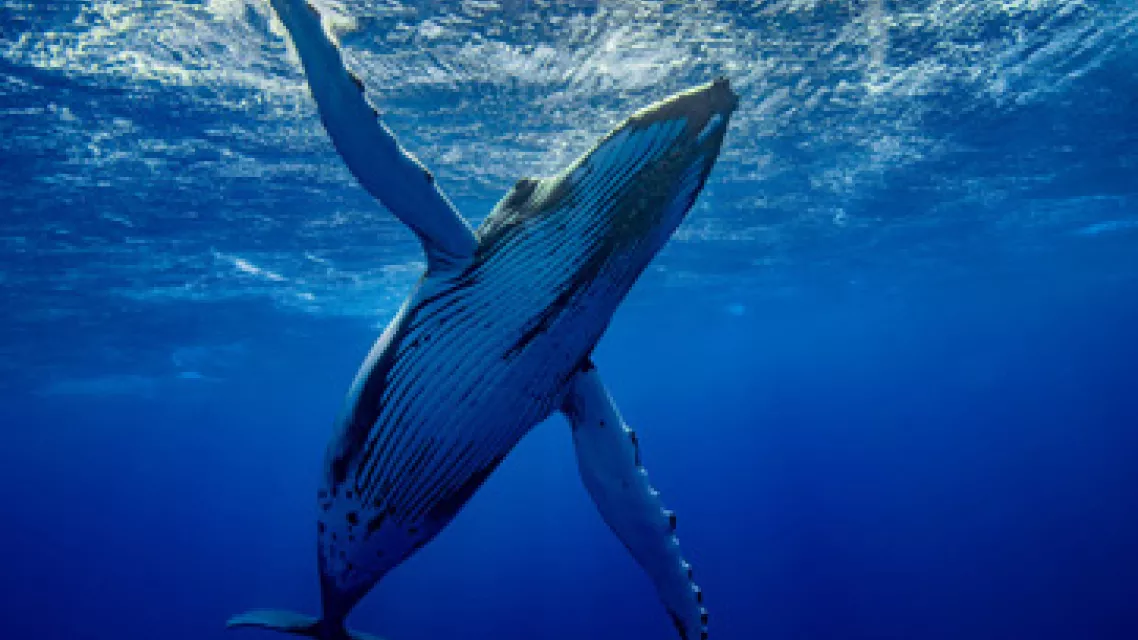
496,336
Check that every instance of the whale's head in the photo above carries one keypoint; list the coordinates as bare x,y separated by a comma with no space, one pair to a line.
626,195
646,174
595,226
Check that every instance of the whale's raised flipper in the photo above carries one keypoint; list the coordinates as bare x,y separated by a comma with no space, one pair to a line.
608,458
295,623
390,173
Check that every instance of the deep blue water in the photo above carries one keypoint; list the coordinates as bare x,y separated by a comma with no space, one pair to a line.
886,375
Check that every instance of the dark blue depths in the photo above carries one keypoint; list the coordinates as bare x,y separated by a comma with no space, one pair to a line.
958,465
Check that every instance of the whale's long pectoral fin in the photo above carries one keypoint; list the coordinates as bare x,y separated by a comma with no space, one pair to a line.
390,173
609,461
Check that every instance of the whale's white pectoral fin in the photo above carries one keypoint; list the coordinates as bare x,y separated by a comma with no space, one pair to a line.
390,173
609,461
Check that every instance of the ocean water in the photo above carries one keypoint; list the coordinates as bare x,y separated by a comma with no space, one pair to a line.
886,373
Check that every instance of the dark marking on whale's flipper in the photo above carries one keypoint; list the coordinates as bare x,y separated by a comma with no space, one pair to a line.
609,462
389,173
296,624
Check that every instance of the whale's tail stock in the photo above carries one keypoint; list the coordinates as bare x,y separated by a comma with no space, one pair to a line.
296,624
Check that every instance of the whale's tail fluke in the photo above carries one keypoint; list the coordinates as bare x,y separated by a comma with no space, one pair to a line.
297,624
